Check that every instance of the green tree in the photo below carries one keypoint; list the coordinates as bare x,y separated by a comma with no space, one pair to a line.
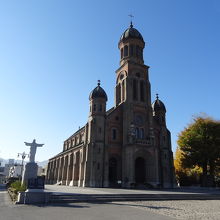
185,176
200,146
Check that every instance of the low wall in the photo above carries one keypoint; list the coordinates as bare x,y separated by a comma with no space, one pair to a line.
33,197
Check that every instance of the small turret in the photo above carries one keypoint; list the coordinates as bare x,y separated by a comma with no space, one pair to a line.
98,99
159,111
96,136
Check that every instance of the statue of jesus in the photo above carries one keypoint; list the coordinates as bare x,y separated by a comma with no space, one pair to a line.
33,149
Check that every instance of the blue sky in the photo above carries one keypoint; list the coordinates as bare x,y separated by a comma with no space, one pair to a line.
52,53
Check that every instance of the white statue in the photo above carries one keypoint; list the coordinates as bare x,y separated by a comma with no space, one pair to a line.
33,149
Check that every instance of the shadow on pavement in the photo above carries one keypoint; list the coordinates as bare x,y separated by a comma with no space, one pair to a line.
144,206
70,205
76,205
66,205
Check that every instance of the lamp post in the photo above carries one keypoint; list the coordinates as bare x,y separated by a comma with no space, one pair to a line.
23,155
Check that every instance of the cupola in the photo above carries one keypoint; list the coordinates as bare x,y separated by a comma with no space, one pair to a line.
158,105
98,92
98,99
131,45
131,32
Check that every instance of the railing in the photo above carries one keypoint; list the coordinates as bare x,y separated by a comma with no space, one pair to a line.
143,141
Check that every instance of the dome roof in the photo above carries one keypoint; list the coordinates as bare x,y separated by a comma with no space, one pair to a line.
158,105
98,92
131,33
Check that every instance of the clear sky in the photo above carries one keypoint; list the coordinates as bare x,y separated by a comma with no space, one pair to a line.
52,52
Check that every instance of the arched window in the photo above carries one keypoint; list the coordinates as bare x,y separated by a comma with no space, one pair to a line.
126,51
141,133
100,107
134,89
81,137
141,53
131,50
165,156
94,107
122,53
138,75
142,91
137,51
114,134
123,90
119,92
137,132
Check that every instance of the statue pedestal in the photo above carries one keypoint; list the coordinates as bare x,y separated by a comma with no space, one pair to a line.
30,172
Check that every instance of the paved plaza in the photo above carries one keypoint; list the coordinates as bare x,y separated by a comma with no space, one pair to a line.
82,211
129,210
180,209
173,209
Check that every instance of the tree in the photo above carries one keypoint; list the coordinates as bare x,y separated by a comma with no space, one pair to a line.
185,176
200,146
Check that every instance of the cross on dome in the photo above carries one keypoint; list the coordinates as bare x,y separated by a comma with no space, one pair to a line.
131,16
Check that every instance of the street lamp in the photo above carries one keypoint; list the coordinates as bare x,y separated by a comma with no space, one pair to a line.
23,155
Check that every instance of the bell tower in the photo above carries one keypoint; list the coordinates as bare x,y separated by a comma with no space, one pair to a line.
133,92
132,83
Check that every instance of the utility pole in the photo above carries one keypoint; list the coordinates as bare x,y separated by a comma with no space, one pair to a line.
23,156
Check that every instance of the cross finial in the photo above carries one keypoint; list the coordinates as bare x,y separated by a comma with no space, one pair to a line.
98,82
131,16
157,97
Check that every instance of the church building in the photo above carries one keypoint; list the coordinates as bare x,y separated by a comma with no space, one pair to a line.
128,145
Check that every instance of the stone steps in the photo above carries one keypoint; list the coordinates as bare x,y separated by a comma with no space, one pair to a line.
71,198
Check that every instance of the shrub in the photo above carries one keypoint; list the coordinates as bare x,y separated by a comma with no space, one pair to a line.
17,186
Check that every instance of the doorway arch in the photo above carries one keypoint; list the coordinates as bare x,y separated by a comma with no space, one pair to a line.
113,175
140,170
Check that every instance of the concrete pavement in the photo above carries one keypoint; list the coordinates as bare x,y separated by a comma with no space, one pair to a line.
141,210
82,211
62,194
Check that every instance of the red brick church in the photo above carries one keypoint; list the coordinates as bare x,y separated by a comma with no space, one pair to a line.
128,145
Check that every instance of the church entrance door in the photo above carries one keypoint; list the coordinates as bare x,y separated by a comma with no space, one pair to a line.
140,171
113,172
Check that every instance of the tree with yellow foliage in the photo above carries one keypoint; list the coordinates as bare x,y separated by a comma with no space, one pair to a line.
185,176
199,147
